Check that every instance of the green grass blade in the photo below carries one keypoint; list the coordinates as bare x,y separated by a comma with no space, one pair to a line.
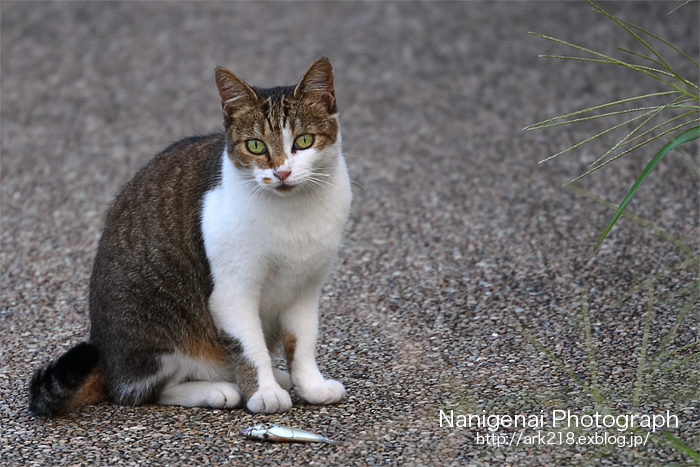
679,445
626,140
690,161
660,135
643,57
682,246
681,362
680,6
542,348
667,44
574,46
691,263
688,135
629,26
633,148
591,138
647,70
680,349
593,117
613,61
687,83
661,351
595,388
656,127
537,126
641,362
624,24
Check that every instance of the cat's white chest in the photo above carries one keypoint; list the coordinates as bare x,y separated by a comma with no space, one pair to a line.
268,248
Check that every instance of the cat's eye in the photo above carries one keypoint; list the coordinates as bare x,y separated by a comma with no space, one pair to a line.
256,146
303,142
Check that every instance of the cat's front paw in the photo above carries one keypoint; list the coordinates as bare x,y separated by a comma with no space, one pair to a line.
329,391
272,400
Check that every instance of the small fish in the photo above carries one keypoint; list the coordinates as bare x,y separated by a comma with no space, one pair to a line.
283,434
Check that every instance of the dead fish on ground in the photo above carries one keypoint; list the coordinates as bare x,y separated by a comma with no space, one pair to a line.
283,434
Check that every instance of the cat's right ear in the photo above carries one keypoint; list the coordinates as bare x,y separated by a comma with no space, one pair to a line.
235,94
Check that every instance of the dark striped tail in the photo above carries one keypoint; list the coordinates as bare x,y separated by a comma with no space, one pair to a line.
68,383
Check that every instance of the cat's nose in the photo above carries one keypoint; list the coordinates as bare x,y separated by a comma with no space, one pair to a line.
282,174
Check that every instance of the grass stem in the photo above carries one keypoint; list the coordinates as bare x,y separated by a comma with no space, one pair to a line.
641,363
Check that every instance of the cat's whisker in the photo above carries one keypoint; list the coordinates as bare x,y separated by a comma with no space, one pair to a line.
252,195
358,185
315,182
318,183
331,175
329,172
326,167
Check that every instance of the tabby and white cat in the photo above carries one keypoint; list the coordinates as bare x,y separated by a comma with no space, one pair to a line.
213,255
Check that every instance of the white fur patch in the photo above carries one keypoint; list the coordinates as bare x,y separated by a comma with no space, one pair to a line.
180,367
287,138
269,255
214,394
175,369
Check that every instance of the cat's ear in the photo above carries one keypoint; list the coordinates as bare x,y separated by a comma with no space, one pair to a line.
317,85
235,94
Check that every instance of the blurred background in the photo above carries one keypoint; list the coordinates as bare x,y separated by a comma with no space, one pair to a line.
456,232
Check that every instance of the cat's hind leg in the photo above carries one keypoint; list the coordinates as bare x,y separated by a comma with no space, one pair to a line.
197,382
282,378
214,394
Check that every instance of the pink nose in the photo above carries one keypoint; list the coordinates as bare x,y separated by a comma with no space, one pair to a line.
283,174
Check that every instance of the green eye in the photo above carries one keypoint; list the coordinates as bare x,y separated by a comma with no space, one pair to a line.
303,141
256,146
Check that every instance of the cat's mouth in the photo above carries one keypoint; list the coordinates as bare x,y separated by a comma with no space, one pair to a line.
284,188
281,188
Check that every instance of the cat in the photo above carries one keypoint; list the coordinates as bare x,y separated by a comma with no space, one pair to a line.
211,258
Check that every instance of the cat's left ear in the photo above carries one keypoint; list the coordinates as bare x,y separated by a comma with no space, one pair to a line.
317,85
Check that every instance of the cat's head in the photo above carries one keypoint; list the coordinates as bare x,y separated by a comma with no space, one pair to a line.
284,138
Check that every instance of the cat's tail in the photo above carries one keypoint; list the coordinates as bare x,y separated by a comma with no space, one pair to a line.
72,381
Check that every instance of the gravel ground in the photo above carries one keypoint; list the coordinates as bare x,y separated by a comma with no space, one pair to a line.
457,236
